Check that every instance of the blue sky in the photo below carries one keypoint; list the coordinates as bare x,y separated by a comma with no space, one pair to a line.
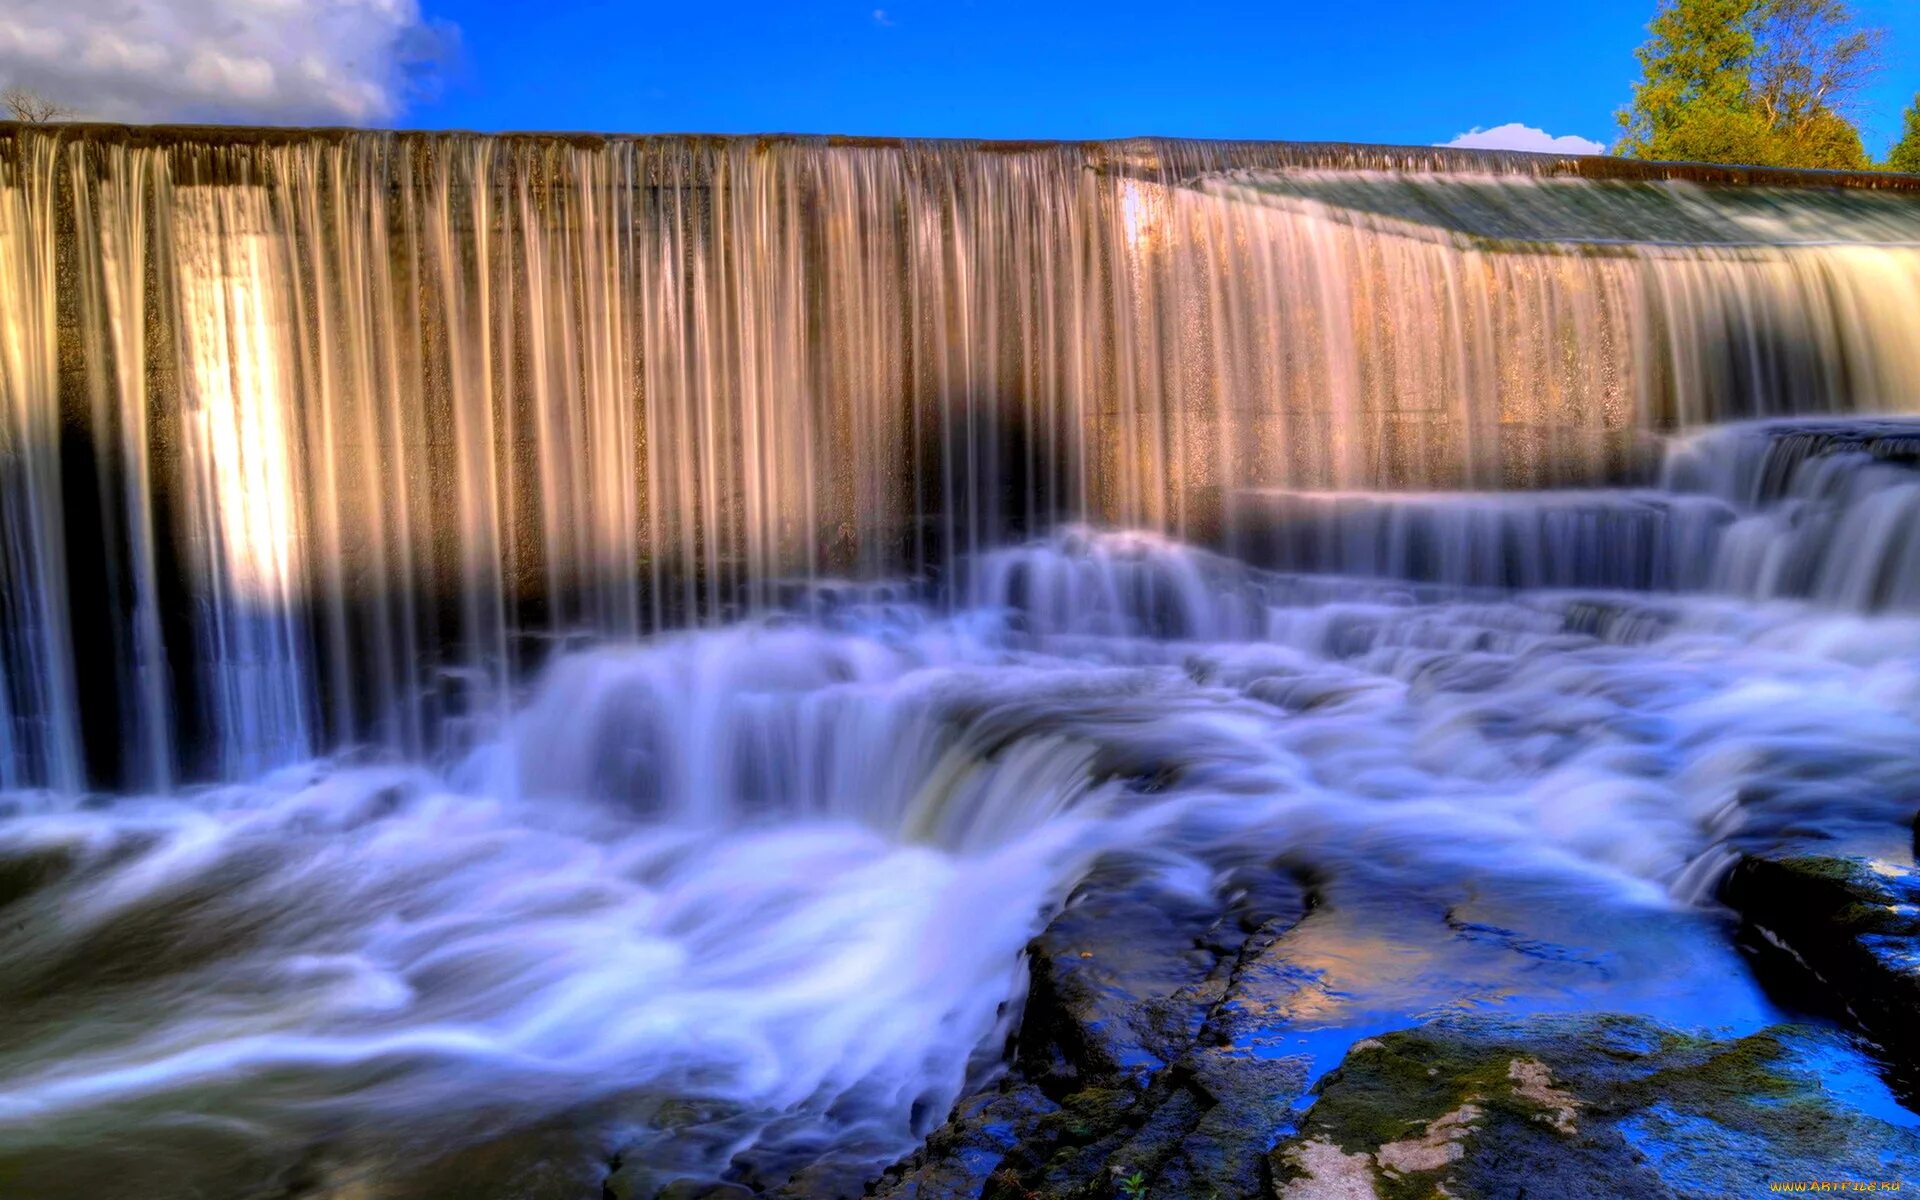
1408,71
1364,70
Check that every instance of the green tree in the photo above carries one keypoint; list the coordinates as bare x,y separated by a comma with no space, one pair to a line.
1691,101
1811,63
1767,82
1905,155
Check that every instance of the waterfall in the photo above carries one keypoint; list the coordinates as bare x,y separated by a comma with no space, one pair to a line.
318,439
575,665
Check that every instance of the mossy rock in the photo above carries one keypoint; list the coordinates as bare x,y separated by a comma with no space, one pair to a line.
1584,1106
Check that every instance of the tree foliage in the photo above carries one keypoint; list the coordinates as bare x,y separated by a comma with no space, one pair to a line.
1766,82
1905,155
1692,95
23,104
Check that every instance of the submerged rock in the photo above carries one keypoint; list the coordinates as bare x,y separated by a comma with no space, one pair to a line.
1850,926
1587,1106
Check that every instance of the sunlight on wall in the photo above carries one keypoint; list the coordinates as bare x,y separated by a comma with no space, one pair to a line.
1136,215
235,343
239,472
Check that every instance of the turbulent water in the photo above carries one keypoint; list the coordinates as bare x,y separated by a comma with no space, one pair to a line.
750,900
520,654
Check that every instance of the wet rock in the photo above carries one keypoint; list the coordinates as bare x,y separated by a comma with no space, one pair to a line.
1849,927
1125,1079
1113,978
677,1156
627,1183
689,1190
1590,1106
961,1156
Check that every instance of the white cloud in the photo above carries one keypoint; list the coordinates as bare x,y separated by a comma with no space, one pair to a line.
1515,136
880,17
340,61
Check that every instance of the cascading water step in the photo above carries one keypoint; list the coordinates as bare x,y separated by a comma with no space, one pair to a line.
1638,540
1515,208
1823,510
1759,463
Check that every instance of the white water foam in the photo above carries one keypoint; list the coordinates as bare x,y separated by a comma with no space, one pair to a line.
783,872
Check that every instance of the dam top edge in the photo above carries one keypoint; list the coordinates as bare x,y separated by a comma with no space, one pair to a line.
1199,153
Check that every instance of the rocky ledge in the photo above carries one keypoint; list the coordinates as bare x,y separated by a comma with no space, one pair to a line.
1158,1058
1283,1032
1841,934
